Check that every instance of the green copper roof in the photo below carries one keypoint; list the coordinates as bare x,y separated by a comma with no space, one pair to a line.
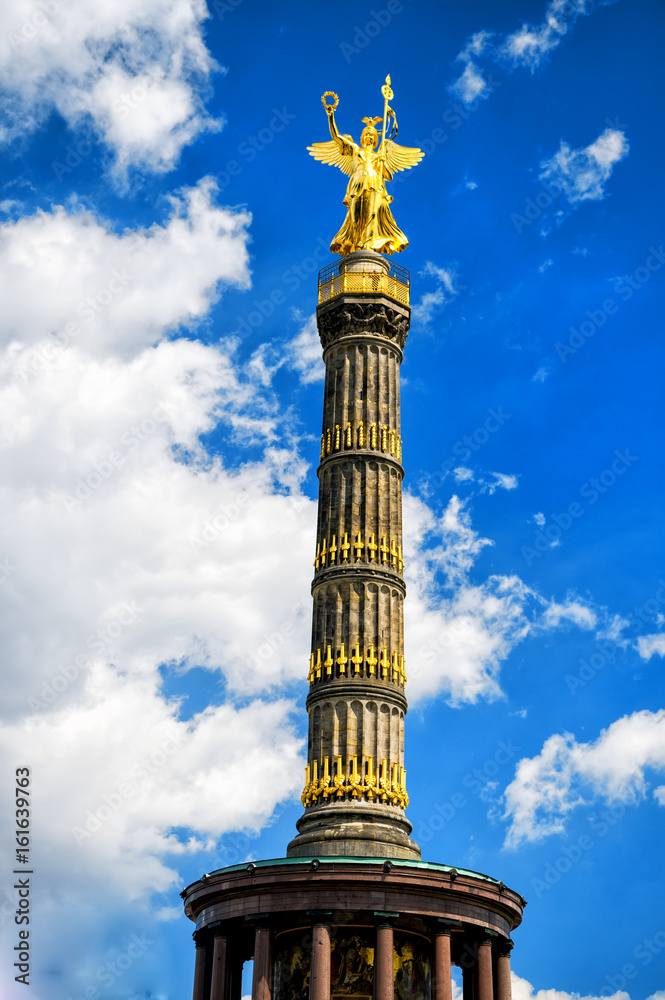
395,862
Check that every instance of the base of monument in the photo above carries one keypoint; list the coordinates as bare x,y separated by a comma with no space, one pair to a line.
340,830
331,927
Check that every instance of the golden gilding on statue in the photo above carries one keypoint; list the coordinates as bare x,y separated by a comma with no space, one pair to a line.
369,223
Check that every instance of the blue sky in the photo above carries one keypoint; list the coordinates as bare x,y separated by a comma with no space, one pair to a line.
161,229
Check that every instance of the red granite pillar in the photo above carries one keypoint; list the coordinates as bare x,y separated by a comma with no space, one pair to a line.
384,988
218,986
442,987
262,977
503,987
199,970
484,983
319,977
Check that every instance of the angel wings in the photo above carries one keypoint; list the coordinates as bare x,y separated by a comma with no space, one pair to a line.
343,153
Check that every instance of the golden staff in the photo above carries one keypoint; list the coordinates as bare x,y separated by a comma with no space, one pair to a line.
387,96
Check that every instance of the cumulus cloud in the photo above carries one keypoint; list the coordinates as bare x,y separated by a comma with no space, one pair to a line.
135,73
528,47
447,289
567,774
523,990
67,277
304,353
582,173
651,645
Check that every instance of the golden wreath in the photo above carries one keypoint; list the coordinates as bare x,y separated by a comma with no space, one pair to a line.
330,93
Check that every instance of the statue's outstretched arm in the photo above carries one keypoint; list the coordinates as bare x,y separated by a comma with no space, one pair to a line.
333,127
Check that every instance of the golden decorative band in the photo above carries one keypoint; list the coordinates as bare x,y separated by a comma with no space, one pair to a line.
389,785
374,437
364,283
365,551
385,667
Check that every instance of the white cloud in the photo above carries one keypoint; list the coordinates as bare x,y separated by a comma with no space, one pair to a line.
121,291
651,645
523,990
470,85
567,774
572,611
543,372
501,481
135,72
582,173
539,519
446,291
304,353
462,474
528,46
545,265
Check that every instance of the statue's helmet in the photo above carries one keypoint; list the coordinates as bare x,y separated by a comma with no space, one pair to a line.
370,134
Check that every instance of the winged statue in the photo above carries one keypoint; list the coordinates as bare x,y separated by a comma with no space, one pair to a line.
369,223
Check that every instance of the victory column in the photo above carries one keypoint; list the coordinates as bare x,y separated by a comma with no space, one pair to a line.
352,911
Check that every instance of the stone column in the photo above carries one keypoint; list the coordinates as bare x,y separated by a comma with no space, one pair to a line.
199,969
485,987
262,977
218,986
442,985
384,987
319,977
503,987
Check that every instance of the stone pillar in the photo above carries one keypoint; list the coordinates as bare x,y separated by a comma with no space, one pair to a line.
218,986
319,977
262,977
442,986
484,985
384,987
503,987
198,992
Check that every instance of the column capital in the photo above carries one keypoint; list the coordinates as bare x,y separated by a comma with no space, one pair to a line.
444,925
321,917
385,918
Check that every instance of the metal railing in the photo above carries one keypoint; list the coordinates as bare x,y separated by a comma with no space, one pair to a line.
334,281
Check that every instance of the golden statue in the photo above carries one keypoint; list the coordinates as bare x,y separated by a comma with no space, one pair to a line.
369,223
